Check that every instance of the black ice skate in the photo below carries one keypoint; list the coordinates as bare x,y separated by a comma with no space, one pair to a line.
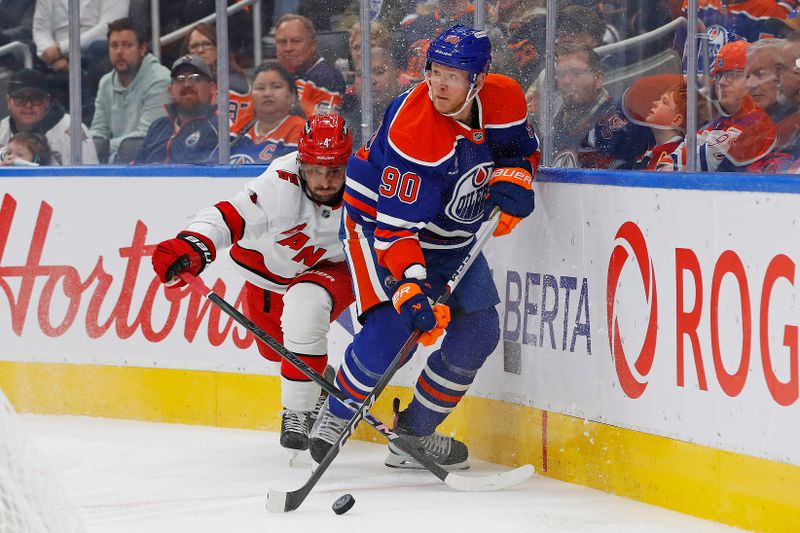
447,452
325,433
294,430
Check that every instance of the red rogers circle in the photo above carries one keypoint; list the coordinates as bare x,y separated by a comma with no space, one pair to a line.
630,233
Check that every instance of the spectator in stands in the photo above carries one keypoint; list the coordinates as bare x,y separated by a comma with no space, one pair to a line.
379,37
729,20
273,131
33,110
590,129
27,149
516,28
646,103
134,93
188,134
416,33
744,133
387,80
16,23
202,41
319,84
51,35
789,95
762,76
579,25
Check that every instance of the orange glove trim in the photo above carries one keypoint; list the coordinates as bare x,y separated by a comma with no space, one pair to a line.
403,293
515,175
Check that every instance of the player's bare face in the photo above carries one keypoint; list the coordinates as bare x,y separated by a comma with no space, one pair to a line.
323,183
449,87
272,96
125,52
294,46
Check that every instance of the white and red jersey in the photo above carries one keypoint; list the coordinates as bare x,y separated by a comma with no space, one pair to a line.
274,231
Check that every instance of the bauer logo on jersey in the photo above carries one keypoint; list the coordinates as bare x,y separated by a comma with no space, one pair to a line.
467,204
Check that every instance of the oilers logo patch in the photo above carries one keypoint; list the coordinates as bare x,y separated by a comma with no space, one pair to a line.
192,139
241,159
468,201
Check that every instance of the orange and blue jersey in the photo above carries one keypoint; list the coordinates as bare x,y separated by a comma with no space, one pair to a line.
748,20
418,186
250,147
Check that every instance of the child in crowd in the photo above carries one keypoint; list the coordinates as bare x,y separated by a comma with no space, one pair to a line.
26,149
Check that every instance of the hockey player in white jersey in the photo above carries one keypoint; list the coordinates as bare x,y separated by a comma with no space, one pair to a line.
283,234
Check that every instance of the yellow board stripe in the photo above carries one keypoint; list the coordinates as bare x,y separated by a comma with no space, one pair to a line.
735,489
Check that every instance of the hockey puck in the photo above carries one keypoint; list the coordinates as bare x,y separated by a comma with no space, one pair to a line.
343,504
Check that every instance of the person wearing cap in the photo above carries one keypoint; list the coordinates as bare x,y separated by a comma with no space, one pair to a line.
134,93
33,110
743,134
188,134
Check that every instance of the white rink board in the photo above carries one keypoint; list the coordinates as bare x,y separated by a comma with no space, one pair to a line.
569,241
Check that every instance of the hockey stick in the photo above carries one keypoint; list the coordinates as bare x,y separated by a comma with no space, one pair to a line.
458,482
282,501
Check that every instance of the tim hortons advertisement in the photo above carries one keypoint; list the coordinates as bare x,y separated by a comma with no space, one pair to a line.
674,312
77,286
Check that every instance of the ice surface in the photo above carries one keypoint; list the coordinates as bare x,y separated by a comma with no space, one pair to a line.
142,477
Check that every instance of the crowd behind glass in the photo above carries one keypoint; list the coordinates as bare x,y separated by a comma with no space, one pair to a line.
618,96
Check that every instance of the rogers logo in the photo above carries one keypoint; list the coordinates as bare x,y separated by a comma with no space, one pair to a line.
630,235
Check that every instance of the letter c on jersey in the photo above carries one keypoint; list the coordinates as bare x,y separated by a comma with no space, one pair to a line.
630,233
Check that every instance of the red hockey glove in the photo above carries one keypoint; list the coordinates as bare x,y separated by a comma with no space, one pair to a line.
186,252
510,189
416,312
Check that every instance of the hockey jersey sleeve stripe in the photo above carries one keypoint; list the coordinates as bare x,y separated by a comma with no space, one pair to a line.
400,255
399,222
232,219
362,190
361,206
388,234
361,266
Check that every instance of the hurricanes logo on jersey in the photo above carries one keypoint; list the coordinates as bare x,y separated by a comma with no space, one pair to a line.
467,203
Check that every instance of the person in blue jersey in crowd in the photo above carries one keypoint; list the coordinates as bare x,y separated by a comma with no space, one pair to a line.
273,130
188,134
448,151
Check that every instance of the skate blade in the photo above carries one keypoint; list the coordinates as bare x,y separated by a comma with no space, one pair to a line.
406,463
